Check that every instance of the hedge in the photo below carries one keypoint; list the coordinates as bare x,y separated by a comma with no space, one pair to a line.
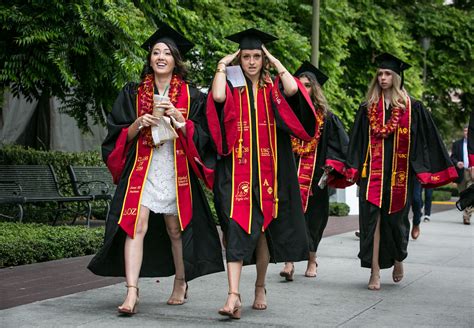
30,243
441,195
450,188
338,209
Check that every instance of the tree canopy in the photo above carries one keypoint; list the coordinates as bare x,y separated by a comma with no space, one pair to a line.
84,51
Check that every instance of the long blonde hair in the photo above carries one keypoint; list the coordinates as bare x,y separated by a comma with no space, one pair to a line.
316,94
398,96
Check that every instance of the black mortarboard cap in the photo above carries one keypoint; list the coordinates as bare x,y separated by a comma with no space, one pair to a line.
313,71
251,38
168,35
391,62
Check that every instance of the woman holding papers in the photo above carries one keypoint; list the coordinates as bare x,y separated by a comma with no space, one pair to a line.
256,187
159,206
320,163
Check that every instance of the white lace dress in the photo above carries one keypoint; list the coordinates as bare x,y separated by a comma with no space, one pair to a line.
159,193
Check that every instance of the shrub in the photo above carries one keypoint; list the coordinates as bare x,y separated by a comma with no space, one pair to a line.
31,243
451,188
441,195
338,209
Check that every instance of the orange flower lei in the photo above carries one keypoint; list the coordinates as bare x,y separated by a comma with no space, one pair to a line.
376,126
146,100
303,148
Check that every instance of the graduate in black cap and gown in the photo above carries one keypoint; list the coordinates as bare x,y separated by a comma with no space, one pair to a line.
256,187
160,223
393,141
321,163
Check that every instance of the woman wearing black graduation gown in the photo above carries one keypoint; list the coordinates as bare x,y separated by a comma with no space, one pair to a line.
393,141
324,153
160,223
256,187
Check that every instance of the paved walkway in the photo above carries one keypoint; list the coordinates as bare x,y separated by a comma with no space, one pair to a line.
437,290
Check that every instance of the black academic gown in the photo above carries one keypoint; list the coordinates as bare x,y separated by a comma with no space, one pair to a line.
332,146
201,246
470,139
428,156
286,235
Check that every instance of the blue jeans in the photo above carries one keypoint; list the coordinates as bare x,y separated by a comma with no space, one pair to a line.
418,202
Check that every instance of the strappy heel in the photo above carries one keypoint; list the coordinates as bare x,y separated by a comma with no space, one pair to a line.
130,311
312,275
174,301
397,275
288,275
262,306
235,312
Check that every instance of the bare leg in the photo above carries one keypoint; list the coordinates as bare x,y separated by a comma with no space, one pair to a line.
179,288
263,258
134,256
234,269
374,281
311,270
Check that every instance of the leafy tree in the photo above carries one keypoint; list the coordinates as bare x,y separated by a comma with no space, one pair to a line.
79,51
84,51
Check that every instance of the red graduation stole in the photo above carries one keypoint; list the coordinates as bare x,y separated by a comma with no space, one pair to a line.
400,161
179,96
241,201
308,152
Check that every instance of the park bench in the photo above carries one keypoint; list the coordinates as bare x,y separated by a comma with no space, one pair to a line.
95,181
33,184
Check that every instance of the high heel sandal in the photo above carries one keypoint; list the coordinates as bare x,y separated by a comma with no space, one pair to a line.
130,311
312,275
288,275
372,285
175,301
397,276
235,312
261,306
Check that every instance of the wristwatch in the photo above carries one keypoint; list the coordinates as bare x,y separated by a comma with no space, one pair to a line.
140,126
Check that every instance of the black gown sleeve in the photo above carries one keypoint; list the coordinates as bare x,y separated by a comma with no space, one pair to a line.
428,156
337,143
123,114
470,140
295,115
358,142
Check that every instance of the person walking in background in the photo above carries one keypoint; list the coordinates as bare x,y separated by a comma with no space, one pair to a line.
419,206
393,141
158,194
461,159
256,188
320,163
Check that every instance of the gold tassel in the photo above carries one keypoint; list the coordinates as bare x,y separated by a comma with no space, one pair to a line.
239,150
364,170
275,208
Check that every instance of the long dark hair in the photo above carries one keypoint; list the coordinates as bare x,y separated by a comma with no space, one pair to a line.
179,68
316,94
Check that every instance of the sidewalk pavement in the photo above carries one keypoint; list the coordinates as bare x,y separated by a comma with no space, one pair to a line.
437,291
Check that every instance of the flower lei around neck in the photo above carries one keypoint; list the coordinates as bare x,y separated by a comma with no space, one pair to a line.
300,147
376,127
146,100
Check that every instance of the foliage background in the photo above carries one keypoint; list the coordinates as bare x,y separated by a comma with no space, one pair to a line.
84,51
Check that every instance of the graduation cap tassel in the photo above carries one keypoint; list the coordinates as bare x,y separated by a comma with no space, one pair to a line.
275,208
364,171
239,150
